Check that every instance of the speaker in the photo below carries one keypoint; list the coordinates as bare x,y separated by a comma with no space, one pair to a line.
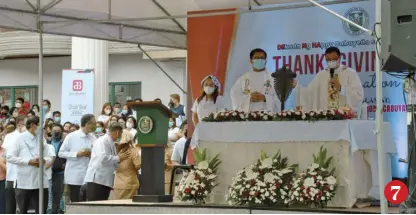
398,29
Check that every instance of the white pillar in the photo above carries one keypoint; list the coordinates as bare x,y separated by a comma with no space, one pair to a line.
93,54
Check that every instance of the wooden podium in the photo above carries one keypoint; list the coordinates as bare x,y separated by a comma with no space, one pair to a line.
152,130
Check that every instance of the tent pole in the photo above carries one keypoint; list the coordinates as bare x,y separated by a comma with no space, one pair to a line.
379,117
40,98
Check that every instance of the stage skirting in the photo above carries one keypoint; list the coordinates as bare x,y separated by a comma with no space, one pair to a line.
129,207
352,143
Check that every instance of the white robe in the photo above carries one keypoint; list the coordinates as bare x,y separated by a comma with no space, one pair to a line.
352,93
251,82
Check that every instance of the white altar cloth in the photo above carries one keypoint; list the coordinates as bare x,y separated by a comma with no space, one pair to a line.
351,142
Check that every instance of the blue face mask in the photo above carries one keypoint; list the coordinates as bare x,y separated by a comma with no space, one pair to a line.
58,119
45,108
170,124
98,130
124,112
259,64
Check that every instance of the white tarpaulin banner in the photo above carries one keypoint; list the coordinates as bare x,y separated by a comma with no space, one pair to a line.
77,94
297,39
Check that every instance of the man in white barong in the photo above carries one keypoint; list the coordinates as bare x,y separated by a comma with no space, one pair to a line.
343,89
254,91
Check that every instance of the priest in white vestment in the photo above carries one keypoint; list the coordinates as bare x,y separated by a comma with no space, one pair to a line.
343,89
254,91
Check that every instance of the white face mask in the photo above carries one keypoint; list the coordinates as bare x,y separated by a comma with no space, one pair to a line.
117,110
107,111
18,105
209,90
129,125
333,64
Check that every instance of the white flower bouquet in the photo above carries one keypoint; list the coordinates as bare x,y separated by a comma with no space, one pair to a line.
287,115
266,182
315,187
198,183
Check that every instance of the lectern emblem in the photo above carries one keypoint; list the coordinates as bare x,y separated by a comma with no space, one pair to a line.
145,125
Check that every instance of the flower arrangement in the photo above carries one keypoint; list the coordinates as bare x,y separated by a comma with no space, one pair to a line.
315,187
198,183
266,182
287,115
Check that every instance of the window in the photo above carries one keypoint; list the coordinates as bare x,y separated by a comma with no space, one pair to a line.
9,94
123,91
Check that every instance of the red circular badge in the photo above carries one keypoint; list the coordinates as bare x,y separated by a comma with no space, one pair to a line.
396,192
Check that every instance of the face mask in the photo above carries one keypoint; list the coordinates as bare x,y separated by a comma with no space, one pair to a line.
170,124
15,114
209,90
124,112
98,130
259,64
117,110
58,119
18,105
333,64
129,125
118,140
36,110
107,111
45,108
57,135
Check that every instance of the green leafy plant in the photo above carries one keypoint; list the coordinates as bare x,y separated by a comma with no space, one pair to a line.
322,160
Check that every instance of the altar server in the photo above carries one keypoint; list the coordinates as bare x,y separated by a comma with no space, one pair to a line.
76,149
342,88
209,101
254,91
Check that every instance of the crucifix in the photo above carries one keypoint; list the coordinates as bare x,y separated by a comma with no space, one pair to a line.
283,84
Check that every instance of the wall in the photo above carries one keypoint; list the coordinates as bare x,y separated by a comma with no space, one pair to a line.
123,68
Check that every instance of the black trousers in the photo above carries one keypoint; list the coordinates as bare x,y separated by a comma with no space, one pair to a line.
3,197
57,191
10,198
74,192
25,198
97,192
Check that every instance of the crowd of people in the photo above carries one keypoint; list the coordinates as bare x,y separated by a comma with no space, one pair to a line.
98,159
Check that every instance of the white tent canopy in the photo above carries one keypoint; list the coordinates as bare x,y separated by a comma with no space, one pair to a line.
75,17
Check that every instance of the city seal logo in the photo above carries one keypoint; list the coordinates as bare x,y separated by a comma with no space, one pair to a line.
359,16
145,125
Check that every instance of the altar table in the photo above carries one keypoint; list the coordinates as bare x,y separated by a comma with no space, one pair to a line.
352,143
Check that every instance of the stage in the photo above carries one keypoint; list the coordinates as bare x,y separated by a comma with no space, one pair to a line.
129,207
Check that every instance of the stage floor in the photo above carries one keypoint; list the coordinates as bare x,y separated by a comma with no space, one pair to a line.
129,207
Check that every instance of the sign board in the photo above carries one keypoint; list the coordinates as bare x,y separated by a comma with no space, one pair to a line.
77,94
